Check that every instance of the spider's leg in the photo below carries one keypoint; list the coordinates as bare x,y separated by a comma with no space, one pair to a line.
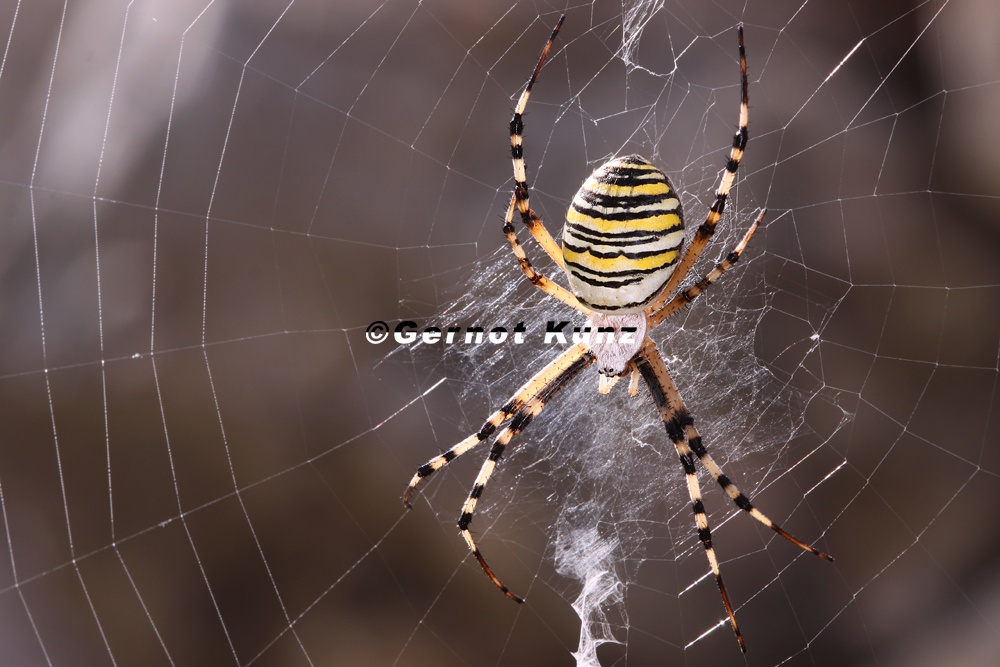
682,299
707,228
740,499
531,220
683,422
529,390
517,424
519,200
654,372
538,280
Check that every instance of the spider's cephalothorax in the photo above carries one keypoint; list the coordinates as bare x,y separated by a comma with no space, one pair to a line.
622,255
623,234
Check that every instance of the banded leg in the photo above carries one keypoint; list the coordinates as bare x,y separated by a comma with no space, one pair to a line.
707,228
530,219
691,293
653,371
519,200
517,424
738,498
680,429
532,388
685,422
538,280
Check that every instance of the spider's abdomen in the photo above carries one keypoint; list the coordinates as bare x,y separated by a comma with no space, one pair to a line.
623,236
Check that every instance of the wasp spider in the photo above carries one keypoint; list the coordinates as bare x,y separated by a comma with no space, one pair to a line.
622,254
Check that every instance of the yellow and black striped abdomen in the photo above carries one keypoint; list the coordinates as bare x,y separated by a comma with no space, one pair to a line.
623,236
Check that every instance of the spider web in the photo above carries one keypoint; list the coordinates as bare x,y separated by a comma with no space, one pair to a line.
207,203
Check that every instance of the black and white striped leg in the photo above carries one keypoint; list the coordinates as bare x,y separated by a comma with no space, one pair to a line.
681,430
707,228
533,387
530,219
537,279
519,200
694,291
654,372
740,499
438,462
684,423
518,423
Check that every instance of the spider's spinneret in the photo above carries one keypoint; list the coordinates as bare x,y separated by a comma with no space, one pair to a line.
623,236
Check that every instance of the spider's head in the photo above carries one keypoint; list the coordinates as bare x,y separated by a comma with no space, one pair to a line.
614,340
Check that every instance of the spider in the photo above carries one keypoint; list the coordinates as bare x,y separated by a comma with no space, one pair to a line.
621,251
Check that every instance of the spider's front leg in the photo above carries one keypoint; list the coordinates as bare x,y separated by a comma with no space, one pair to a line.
532,388
520,410
580,357
680,429
654,372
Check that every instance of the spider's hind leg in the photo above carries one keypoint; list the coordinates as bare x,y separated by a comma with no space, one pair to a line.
685,297
704,233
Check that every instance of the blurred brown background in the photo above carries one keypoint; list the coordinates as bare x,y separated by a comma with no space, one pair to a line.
205,204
